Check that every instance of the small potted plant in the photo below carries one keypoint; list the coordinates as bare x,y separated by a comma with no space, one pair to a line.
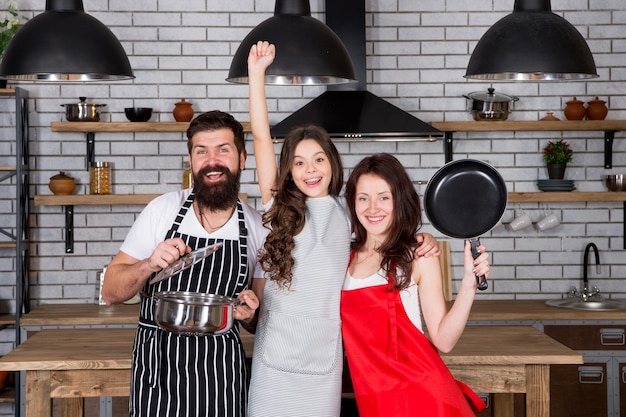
10,22
557,155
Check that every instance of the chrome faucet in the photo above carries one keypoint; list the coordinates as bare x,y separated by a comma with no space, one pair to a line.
585,292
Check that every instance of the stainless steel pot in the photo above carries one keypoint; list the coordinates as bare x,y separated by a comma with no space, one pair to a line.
82,112
196,314
489,105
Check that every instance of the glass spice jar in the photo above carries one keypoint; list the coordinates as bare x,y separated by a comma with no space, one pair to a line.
100,178
187,176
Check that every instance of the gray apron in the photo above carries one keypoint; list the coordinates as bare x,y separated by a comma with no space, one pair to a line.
175,375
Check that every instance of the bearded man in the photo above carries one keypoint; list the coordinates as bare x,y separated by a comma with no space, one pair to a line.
186,375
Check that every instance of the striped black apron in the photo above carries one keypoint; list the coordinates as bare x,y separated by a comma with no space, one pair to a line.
175,375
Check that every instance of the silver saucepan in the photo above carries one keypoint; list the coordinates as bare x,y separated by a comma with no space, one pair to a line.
83,111
194,314
489,105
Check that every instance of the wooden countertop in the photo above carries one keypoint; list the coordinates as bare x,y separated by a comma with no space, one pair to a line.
508,345
482,310
81,314
498,310
105,348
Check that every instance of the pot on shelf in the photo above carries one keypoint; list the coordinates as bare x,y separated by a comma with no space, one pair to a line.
574,110
489,105
83,111
183,111
62,184
556,171
596,109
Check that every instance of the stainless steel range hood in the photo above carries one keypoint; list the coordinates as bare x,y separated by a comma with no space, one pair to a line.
349,111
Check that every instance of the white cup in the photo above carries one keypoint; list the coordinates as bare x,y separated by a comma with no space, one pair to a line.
520,222
550,221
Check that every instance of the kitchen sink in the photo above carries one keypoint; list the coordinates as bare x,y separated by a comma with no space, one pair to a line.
592,305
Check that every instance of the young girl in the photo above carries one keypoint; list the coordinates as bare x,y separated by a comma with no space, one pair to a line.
395,370
298,353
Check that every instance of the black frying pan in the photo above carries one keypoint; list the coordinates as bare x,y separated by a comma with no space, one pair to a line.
465,199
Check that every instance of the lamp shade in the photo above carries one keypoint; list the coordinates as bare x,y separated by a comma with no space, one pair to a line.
65,44
532,43
307,51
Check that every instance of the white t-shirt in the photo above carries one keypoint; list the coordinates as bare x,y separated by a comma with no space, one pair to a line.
158,216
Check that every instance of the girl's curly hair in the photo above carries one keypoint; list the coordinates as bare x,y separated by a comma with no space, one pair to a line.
286,217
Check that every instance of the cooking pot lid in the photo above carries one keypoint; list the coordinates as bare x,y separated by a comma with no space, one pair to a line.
184,262
490,96
83,103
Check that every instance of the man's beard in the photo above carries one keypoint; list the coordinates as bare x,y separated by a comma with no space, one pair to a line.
217,196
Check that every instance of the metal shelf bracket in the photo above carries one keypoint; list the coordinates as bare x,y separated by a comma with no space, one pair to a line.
609,135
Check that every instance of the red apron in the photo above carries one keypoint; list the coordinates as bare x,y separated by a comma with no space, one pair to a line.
396,371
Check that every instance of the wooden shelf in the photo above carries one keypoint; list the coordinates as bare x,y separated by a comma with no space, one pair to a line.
5,245
572,196
93,199
7,319
609,127
69,201
527,126
128,199
94,127
7,92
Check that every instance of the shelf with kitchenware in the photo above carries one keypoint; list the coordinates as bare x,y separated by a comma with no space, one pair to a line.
609,127
69,201
91,128
142,199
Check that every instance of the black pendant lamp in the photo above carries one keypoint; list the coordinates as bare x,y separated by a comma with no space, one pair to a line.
307,51
65,44
532,43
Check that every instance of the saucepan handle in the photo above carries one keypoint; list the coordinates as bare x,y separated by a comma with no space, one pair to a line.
481,280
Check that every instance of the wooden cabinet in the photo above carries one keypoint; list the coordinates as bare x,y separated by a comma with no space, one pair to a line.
595,388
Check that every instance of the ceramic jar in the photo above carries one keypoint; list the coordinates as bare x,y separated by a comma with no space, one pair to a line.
183,112
596,109
62,184
575,110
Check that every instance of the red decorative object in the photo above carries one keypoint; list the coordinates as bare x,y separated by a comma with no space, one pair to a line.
183,112
596,109
575,110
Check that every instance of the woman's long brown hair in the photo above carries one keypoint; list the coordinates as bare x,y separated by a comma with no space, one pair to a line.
399,246
286,217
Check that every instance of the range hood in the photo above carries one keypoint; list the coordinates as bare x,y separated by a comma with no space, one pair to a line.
350,111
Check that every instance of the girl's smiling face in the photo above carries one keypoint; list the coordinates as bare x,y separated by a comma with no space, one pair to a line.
311,169
374,204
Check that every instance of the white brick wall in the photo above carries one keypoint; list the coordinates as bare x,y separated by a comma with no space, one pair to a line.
417,53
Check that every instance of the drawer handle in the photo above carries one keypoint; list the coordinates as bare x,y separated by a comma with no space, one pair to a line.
612,337
485,398
590,375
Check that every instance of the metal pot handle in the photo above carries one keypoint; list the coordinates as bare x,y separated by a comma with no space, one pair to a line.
144,294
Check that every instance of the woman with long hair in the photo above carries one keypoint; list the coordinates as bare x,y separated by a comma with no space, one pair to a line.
396,370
